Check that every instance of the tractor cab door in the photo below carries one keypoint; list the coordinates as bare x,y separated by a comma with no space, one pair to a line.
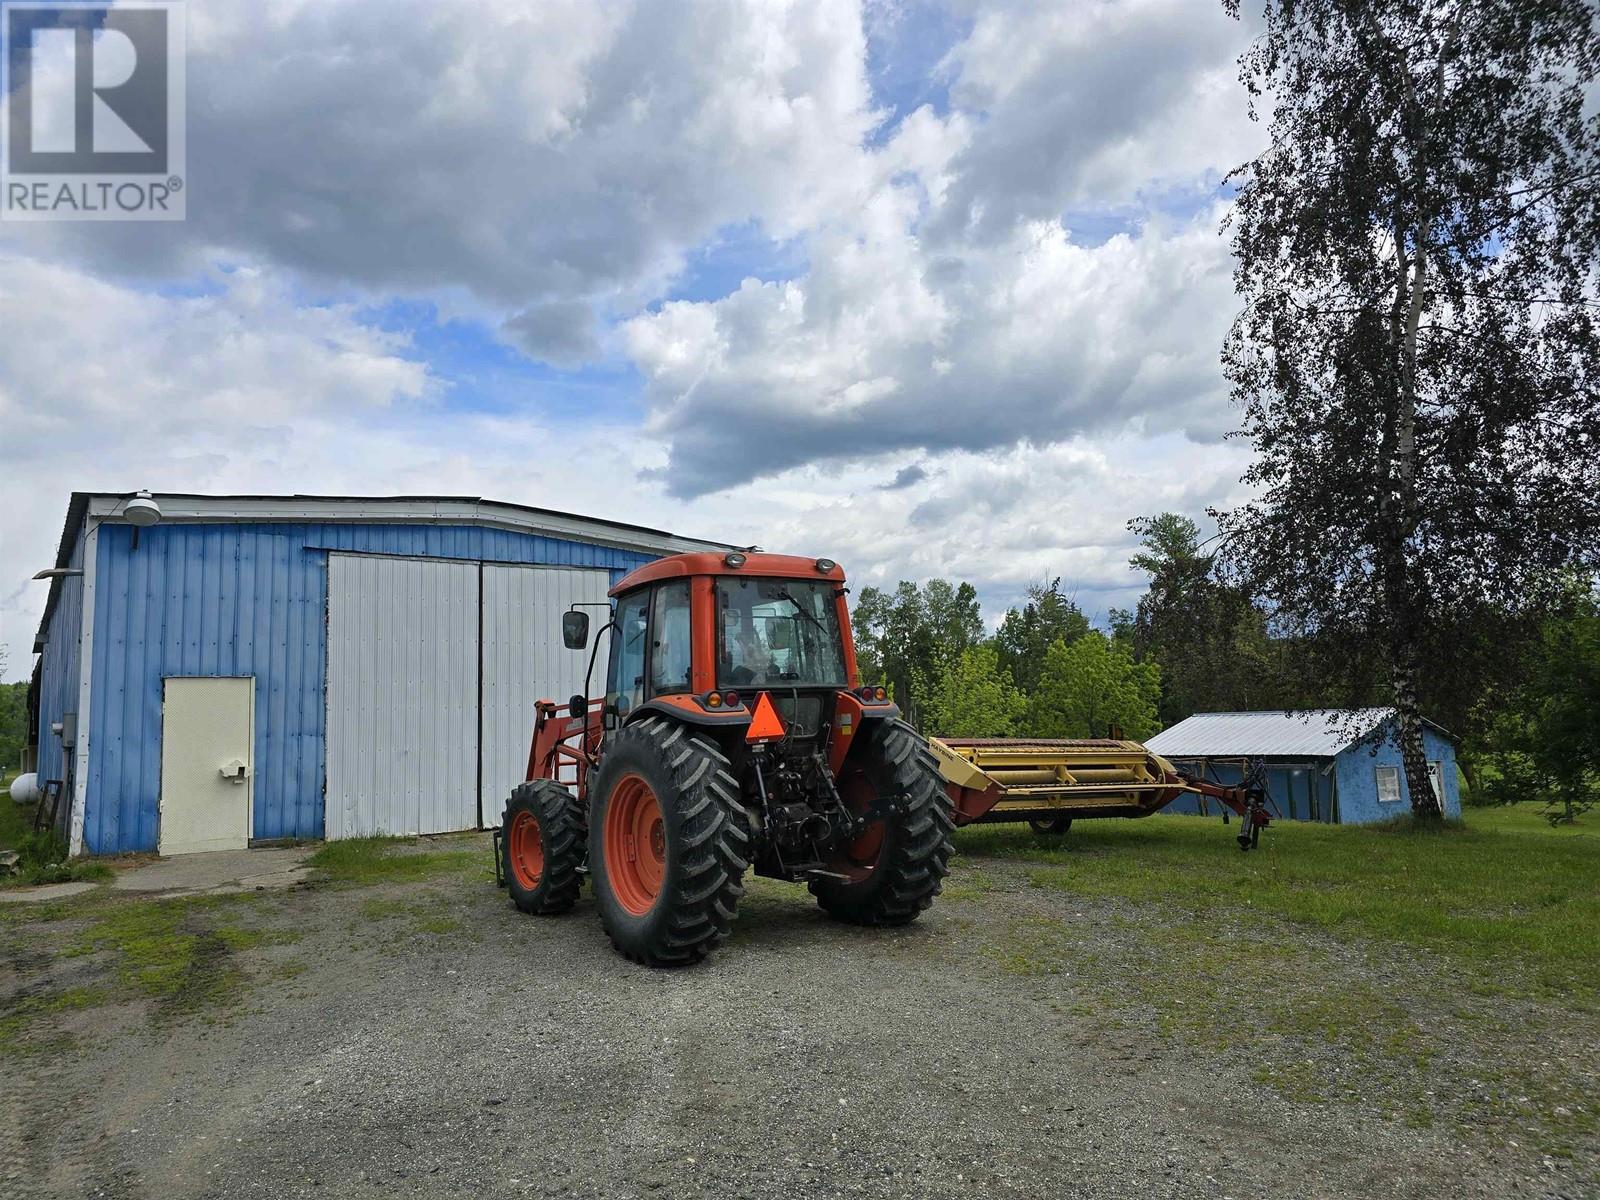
625,671
650,648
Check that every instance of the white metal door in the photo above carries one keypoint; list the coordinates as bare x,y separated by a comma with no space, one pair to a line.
402,728
525,661
207,764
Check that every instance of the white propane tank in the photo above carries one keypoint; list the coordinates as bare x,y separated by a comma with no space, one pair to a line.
25,788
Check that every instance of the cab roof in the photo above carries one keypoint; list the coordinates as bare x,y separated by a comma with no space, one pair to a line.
766,566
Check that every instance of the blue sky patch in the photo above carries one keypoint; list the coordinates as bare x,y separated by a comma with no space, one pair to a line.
904,49
736,253
484,374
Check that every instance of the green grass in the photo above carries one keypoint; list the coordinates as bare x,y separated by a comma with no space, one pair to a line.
363,861
16,821
1502,890
1503,905
43,856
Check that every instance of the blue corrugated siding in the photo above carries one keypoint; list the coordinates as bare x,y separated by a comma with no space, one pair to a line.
243,599
59,678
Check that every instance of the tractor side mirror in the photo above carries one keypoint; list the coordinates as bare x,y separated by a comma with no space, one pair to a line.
578,706
575,629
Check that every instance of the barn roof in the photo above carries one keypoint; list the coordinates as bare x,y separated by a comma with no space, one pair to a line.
1313,733
429,510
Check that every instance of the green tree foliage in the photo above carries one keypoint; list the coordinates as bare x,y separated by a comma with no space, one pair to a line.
1544,743
1418,358
910,638
13,722
1046,617
974,698
1122,625
955,622
1091,685
1211,640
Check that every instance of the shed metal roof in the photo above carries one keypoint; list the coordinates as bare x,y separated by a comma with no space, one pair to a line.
1313,733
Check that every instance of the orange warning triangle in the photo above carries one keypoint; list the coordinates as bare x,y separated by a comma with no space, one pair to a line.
765,724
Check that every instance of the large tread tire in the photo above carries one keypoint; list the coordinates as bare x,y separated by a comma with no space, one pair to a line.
915,854
563,839
706,835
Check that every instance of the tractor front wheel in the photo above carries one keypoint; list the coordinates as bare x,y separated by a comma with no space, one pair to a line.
542,844
889,874
668,843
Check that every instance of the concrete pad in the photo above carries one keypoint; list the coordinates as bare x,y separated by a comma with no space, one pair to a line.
47,891
219,872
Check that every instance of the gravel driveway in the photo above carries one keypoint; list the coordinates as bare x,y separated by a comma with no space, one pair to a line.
425,1039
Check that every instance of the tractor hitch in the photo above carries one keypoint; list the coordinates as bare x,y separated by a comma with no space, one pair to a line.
892,805
1252,820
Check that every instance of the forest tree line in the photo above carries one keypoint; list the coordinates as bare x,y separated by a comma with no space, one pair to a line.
1195,642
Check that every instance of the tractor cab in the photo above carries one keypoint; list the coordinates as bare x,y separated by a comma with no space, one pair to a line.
702,637
734,734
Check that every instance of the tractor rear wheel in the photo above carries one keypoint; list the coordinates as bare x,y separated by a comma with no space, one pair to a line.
668,843
1050,826
542,845
893,870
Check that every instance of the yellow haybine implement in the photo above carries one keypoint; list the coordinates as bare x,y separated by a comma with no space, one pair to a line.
1051,783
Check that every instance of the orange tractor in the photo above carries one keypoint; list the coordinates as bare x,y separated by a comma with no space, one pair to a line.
734,735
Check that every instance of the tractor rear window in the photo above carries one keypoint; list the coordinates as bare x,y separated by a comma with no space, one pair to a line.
777,632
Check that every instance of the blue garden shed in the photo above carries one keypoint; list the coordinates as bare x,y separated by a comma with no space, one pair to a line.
1340,766
217,671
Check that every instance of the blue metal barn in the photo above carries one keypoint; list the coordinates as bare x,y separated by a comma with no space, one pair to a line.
253,668
1340,766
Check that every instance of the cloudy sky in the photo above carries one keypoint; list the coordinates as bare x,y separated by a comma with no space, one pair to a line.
932,289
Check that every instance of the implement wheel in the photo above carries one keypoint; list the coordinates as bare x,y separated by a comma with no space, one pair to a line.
668,843
893,870
1050,826
542,845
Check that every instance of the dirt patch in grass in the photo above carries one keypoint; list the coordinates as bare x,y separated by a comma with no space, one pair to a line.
200,956
183,955
30,1017
172,957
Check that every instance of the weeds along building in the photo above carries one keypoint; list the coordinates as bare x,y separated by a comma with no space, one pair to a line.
217,671
1340,766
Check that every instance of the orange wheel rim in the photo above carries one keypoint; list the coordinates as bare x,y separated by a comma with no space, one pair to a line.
527,851
857,858
636,845
865,849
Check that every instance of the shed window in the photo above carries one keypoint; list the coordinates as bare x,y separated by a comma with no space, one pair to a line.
1436,778
1388,785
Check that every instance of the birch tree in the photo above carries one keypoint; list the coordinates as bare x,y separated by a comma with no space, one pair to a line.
1416,359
